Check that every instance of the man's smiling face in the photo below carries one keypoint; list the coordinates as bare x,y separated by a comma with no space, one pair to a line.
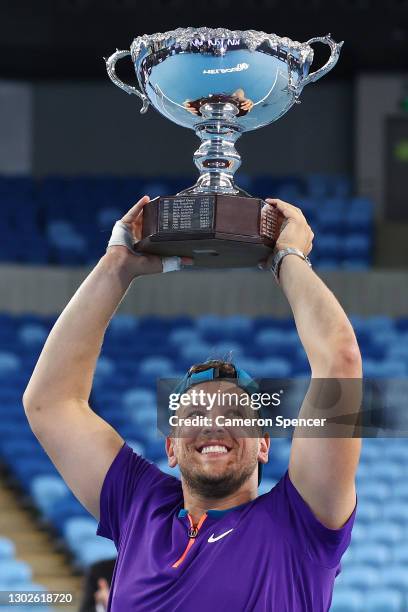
214,460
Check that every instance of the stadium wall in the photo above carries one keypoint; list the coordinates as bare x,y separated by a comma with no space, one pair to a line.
252,293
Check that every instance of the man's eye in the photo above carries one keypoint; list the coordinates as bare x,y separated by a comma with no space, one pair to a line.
193,414
234,413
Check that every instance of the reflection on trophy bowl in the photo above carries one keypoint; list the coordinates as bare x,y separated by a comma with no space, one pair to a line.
220,83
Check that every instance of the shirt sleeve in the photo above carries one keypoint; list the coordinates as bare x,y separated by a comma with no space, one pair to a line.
128,477
320,544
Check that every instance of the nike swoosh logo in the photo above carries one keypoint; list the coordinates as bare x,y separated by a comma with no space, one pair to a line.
212,537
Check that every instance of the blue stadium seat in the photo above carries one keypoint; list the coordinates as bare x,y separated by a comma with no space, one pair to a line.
63,509
379,322
400,553
277,336
356,245
384,369
329,246
395,576
136,398
400,491
372,490
368,511
7,549
370,452
346,600
398,448
46,490
383,600
275,367
385,337
309,208
91,552
107,217
385,532
78,530
196,353
389,471
9,363
27,468
14,571
338,204
360,577
228,350
238,326
275,342
359,216
359,534
122,325
32,335
397,350
105,368
396,511
184,335
63,235
369,553
143,418
340,186
24,447
156,367
317,185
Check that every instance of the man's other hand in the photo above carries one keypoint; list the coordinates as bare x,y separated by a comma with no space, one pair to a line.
140,263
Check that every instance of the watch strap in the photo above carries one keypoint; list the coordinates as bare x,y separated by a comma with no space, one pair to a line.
278,258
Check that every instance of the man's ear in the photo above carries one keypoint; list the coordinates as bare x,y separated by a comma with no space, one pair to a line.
264,445
170,450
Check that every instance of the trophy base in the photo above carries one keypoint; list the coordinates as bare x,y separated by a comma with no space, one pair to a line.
217,231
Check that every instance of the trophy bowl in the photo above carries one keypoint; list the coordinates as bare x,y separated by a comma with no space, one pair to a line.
220,83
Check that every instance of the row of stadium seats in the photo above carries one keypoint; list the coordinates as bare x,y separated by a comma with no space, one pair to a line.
67,221
267,348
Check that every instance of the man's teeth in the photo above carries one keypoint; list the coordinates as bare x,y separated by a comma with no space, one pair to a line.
214,449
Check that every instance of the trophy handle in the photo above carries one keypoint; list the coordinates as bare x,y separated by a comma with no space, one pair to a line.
110,67
331,62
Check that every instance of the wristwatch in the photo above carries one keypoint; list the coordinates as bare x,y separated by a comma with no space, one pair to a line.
279,255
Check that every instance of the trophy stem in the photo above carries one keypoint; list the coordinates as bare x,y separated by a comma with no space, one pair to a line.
217,158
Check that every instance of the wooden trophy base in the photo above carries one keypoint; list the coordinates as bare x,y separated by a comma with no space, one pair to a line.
216,230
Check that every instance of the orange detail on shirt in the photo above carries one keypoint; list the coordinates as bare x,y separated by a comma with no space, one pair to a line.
192,538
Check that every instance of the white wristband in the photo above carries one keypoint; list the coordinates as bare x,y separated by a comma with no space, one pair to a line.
122,236
171,264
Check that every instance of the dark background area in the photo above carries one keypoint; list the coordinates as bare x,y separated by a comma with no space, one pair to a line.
66,38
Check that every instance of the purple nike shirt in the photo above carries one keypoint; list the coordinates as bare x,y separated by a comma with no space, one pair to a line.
268,554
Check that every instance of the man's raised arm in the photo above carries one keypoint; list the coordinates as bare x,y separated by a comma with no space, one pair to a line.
81,444
322,468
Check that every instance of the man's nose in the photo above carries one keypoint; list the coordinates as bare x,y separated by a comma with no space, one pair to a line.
213,427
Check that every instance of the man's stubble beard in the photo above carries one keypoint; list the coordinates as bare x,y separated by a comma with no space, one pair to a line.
216,487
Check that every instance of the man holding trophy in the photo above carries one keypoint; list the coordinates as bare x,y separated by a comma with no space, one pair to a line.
209,541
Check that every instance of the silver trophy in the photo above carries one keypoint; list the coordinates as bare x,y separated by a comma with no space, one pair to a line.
220,83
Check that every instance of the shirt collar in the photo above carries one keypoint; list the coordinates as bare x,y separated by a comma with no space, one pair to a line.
217,514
